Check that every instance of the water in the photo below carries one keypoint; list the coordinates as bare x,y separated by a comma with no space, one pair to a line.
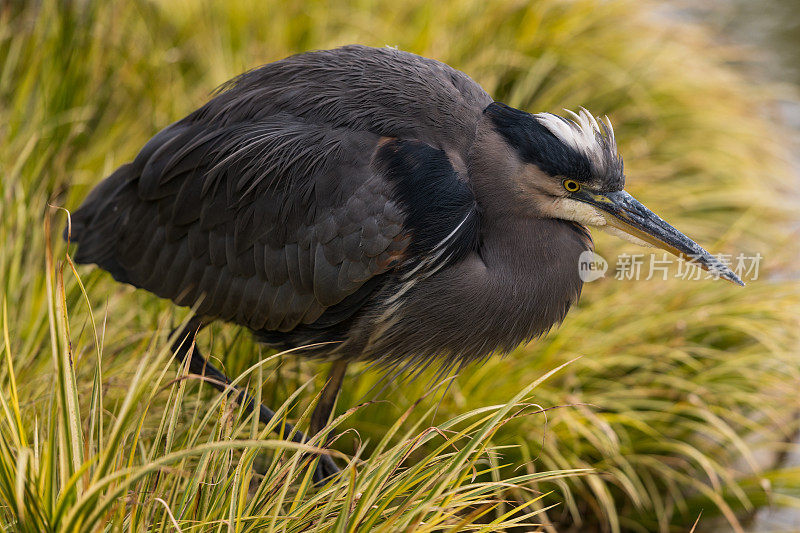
768,29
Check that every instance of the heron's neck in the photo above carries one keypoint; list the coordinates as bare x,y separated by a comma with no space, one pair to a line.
534,253
493,166
519,283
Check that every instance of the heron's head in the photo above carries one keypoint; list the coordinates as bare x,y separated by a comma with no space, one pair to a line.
569,168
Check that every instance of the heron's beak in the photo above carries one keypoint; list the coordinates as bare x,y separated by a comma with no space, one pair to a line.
626,213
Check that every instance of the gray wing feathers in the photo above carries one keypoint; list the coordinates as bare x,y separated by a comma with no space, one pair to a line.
262,206
386,91
265,251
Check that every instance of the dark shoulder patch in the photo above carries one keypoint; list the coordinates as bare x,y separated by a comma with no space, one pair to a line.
441,212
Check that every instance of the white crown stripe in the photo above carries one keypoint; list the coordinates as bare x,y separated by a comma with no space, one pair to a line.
583,133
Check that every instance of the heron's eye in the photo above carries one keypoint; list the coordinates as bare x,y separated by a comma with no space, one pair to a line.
571,185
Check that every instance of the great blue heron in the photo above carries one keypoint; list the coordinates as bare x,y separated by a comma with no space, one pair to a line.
367,204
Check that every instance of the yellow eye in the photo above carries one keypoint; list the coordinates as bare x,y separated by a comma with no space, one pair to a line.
571,185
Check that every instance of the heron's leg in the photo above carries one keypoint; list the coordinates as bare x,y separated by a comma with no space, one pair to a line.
200,365
322,411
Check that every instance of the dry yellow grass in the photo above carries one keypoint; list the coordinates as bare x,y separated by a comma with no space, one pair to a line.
680,384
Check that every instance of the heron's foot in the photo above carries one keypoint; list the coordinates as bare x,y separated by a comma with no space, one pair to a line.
325,470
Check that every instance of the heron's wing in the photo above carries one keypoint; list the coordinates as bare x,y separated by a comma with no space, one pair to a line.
265,223
386,91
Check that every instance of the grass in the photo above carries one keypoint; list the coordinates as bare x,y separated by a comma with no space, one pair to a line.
681,400
80,473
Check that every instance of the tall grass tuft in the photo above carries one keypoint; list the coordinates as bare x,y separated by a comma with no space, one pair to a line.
204,467
681,402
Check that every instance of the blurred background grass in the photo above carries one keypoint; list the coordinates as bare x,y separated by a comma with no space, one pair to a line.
685,397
